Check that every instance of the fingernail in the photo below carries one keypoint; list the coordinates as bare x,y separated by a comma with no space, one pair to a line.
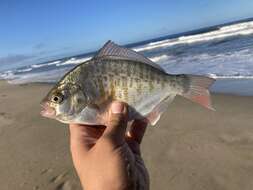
117,107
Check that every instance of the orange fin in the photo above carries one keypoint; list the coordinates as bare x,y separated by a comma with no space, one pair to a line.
198,90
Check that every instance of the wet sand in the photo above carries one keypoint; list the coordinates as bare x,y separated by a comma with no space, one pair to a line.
190,148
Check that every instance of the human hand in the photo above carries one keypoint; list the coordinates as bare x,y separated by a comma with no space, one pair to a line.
108,157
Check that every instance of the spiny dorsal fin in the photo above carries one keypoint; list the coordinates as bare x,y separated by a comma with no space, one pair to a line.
110,49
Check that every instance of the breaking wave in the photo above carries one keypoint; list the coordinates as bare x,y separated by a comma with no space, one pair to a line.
45,64
224,53
223,32
74,61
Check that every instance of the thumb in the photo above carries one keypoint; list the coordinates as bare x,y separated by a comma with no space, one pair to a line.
116,123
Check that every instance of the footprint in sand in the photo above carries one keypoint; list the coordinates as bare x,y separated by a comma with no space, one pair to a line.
4,114
63,183
5,119
65,186
45,171
36,187
239,138
59,178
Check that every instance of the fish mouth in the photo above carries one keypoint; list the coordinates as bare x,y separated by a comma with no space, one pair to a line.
47,111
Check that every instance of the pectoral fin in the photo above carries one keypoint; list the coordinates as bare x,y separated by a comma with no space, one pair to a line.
88,116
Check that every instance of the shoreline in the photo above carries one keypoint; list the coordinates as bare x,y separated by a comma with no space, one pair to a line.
190,148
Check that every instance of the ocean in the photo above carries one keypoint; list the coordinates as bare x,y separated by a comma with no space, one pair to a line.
224,52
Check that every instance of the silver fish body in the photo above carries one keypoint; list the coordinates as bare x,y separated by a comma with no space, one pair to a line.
88,89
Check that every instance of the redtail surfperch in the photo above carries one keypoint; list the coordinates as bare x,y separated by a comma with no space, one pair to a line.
117,73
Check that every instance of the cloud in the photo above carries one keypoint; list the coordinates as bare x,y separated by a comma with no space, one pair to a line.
17,58
41,55
39,46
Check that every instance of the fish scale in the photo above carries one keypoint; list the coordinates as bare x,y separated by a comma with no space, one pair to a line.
147,86
85,93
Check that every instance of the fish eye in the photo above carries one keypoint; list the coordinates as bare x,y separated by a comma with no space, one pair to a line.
58,98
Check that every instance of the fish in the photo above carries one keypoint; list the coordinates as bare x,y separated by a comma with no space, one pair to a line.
115,73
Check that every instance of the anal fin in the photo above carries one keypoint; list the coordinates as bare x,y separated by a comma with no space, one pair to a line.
154,116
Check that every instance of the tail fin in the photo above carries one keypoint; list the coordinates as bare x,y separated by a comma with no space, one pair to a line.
197,90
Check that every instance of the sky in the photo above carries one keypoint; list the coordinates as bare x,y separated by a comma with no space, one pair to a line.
39,30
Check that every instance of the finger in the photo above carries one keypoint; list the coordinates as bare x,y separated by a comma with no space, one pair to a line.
83,137
137,130
116,123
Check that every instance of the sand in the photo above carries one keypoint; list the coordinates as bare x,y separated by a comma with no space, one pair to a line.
191,148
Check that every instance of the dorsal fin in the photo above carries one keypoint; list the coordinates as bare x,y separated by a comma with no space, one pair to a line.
111,49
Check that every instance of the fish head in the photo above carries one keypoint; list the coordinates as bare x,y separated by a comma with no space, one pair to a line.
64,102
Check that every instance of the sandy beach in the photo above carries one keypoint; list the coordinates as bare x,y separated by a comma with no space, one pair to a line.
191,148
